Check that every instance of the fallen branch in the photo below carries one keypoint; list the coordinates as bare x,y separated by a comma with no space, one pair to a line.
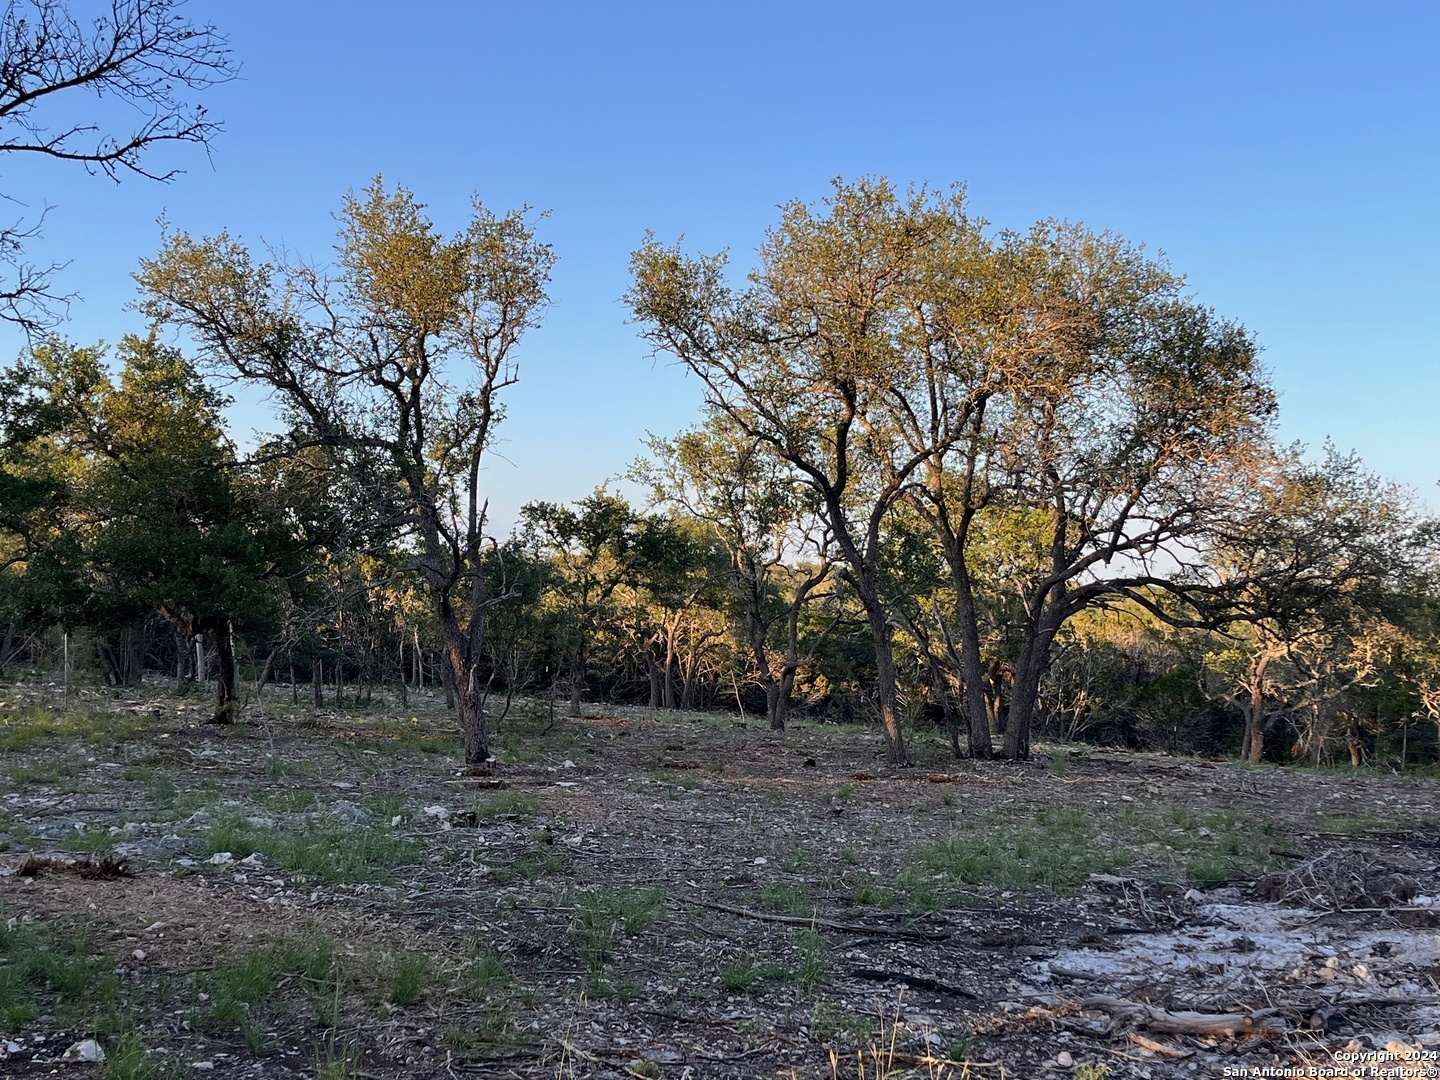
1229,1025
920,982
1159,1048
1073,973
815,922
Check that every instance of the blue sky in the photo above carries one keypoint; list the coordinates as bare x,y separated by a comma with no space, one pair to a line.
1283,156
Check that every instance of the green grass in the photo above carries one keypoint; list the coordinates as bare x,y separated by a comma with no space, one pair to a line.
319,850
1173,841
90,840
791,898
1054,852
53,969
488,982
1059,847
605,916
45,962
834,1025
32,726
810,967
745,973
51,770
256,976
509,804
410,976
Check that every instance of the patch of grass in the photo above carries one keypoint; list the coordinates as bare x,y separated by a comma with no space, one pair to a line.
604,916
386,806
743,974
251,977
409,977
53,771
128,1058
791,898
1054,852
865,889
278,768
814,966
317,850
1175,841
1350,824
89,840
488,982
796,859
336,1060
537,861
832,1024
31,726
53,968
487,976
415,735
508,804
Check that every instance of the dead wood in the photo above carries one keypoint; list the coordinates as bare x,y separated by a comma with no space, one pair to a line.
1159,1048
920,982
816,922
87,867
1229,1025
1338,881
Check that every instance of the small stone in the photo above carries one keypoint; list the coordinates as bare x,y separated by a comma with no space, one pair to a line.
84,1050
762,861
1064,1060
138,954
203,1066
220,858
348,811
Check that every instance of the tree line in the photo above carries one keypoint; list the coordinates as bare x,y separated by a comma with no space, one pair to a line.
997,482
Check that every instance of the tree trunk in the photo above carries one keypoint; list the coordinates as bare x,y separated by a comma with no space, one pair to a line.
577,677
1034,658
886,691
227,704
653,670
669,670
400,665
447,681
7,646
972,670
1254,748
469,699
942,694
317,682
265,673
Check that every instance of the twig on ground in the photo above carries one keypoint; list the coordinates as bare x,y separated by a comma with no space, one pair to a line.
816,922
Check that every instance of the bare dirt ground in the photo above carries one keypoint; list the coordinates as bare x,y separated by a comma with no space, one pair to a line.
688,896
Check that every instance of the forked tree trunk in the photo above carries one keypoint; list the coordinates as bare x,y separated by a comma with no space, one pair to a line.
469,701
1254,748
227,704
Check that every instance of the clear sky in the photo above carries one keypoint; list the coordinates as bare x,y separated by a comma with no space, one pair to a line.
1283,156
